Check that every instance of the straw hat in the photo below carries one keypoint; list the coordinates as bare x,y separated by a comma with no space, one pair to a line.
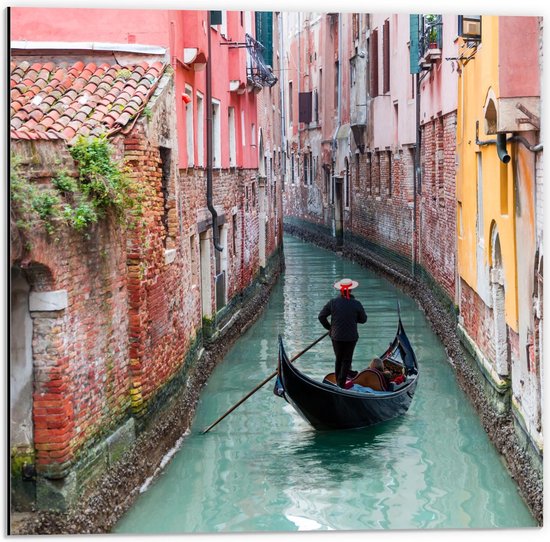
346,283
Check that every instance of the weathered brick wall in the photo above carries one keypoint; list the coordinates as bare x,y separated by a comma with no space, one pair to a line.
477,320
80,353
159,316
376,215
437,204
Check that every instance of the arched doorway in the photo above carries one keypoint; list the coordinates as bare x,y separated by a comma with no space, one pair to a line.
21,362
498,294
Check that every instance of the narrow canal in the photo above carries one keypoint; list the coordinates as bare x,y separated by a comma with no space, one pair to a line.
263,468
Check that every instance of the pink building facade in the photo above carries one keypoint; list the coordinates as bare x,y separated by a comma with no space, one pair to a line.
171,279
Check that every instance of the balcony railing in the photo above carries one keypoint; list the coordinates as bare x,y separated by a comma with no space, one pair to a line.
258,72
430,34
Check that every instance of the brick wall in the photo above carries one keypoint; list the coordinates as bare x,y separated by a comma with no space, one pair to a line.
477,320
80,353
437,203
376,215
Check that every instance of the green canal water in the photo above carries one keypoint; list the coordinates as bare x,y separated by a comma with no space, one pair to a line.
264,469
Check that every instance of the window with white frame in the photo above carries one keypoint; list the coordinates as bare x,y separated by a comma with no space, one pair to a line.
190,127
232,143
216,135
200,129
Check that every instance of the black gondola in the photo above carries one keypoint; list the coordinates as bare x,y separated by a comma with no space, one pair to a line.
371,400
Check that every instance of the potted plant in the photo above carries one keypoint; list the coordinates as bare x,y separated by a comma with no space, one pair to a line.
431,30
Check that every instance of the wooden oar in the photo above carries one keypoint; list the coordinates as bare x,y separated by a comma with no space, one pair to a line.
267,379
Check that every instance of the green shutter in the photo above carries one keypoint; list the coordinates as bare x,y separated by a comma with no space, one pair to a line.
413,50
264,34
215,17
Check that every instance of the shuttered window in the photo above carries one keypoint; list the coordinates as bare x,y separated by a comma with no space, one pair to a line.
264,34
386,56
374,64
305,107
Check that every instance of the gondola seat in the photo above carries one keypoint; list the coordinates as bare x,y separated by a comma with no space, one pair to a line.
371,378
368,378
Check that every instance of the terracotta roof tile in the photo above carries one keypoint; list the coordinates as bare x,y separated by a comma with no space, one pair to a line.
61,100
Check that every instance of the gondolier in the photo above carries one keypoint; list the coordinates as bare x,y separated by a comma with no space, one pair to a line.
345,313
367,402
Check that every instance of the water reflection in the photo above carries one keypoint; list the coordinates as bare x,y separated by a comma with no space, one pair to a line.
263,468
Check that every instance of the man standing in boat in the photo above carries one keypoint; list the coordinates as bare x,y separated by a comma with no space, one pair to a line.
345,312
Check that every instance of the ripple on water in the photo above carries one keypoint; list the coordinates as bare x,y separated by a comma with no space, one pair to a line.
263,468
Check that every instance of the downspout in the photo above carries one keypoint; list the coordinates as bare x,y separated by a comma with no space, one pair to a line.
338,121
416,175
299,88
209,139
282,89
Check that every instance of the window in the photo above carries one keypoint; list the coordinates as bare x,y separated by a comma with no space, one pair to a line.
292,168
290,102
311,169
336,78
190,134
243,128
216,135
304,107
315,107
219,22
253,135
232,145
200,129
320,102
374,64
306,168
386,56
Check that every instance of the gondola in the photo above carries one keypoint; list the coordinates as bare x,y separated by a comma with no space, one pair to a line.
370,400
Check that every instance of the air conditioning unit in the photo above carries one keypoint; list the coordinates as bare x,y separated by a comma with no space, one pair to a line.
470,27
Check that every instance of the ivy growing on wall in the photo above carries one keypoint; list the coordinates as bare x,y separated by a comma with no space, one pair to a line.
102,185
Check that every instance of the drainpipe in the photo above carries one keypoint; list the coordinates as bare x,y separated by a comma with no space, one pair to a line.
299,87
209,139
338,121
282,87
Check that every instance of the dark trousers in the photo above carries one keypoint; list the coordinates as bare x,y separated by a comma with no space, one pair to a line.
343,351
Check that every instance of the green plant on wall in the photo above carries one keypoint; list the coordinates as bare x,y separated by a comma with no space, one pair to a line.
103,184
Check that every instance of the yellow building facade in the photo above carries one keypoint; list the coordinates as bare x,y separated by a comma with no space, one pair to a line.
497,245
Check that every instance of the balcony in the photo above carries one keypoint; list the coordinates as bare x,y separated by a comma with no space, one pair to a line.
429,40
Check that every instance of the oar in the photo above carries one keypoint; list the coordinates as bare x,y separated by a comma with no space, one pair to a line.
267,379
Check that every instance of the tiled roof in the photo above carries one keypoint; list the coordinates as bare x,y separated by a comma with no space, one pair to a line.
51,101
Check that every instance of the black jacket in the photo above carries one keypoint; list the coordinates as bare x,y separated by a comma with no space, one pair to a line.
345,315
